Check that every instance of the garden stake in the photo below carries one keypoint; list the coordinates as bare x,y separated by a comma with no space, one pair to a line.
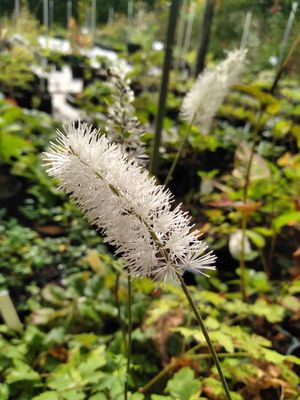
129,342
206,335
174,8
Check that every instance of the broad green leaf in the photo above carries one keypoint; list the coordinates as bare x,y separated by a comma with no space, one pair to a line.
272,312
215,386
259,168
12,146
282,128
98,396
50,395
65,381
285,219
87,339
4,391
72,395
223,339
256,238
136,396
190,333
273,109
257,93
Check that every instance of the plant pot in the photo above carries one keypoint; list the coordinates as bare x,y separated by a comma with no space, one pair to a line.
133,47
45,103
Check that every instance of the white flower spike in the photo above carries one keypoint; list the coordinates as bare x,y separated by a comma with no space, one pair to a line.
122,125
204,99
134,214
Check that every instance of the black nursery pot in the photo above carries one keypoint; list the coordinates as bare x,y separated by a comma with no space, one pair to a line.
133,47
77,71
24,99
10,190
45,103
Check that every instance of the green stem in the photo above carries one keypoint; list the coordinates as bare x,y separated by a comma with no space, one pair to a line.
206,335
242,259
221,355
244,216
119,317
172,364
129,342
178,154
285,64
157,377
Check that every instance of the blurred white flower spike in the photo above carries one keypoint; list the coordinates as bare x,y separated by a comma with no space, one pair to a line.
134,214
202,102
122,126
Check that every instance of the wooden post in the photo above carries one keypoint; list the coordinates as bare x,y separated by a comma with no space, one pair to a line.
204,35
69,12
46,16
164,84
93,19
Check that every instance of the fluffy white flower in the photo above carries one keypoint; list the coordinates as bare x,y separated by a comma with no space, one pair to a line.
134,213
122,126
202,102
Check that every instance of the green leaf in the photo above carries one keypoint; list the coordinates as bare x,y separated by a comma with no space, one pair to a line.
50,395
183,385
223,339
256,238
136,396
215,386
94,361
272,312
21,372
12,146
282,128
63,382
72,395
285,219
4,391
98,396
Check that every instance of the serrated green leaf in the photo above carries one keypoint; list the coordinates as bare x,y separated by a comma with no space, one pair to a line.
183,385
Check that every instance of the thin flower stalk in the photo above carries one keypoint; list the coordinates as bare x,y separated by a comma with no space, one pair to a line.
244,223
129,344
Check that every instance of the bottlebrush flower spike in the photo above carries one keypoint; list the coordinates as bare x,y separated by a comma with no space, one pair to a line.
202,102
119,197
122,126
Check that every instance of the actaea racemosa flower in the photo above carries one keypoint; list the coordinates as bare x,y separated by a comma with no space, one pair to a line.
132,211
207,94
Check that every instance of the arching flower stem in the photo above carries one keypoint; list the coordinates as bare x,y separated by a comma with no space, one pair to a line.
206,335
